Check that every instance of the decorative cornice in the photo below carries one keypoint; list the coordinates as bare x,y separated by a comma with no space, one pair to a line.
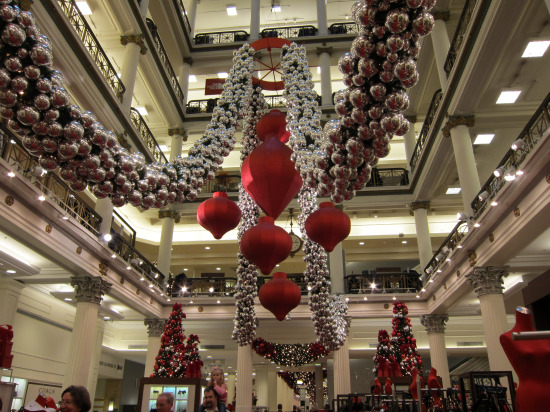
434,323
163,213
454,121
134,38
487,280
444,15
89,288
325,49
188,60
420,204
155,327
178,131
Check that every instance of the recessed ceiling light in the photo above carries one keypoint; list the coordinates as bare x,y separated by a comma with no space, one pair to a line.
142,110
536,48
231,10
361,243
508,97
453,191
185,269
207,247
41,198
223,75
404,242
68,300
11,174
365,298
192,78
277,265
10,271
84,8
318,69
218,268
163,147
484,138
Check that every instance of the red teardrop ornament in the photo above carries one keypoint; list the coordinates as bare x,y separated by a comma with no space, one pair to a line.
218,215
280,295
265,244
328,226
273,125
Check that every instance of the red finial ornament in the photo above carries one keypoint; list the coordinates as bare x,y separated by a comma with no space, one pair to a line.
328,226
280,295
218,215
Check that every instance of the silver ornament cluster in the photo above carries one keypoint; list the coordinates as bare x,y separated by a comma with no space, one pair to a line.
304,115
64,137
245,322
379,68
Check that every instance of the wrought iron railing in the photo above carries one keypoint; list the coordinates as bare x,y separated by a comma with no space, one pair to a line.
512,160
391,176
147,136
289,32
50,184
165,60
122,227
424,132
91,43
208,105
375,283
460,35
221,37
344,28
182,15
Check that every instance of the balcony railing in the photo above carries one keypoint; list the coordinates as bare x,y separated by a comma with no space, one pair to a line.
344,28
221,37
165,60
289,32
376,283
147,136
208,105
50,184
460,35
182,15
91,43
424,133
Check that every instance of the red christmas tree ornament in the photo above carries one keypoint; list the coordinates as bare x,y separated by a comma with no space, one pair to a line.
218,215
265,244
273,125
328,226
268,174
280,295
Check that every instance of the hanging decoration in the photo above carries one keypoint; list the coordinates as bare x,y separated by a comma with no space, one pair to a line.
296,354
265,244
328,226
280,295
218,215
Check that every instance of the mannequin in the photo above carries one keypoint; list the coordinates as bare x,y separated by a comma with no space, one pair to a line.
530,359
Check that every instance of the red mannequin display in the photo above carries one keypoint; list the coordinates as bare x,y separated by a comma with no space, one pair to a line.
530,359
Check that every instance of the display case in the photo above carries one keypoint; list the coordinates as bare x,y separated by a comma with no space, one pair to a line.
488,387
187,393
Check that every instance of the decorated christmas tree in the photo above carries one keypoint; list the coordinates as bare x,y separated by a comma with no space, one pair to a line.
171,360
403,343
383,355
194,362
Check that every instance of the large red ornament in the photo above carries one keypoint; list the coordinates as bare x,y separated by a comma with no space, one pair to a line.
265,244
268,174
273,125
328,226
218,215
280,295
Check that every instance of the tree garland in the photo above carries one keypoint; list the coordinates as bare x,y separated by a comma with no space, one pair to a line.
289,354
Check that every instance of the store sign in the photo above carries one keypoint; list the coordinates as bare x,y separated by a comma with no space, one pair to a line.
213,86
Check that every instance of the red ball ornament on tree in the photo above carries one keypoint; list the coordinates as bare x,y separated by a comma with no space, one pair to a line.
280,295
218,215
265,244
328,226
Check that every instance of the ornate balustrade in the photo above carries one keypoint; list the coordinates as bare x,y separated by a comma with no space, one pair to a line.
182,16
348,28
290,32
424,132
460,35
208,105
147,136
221,37
376,283
91,43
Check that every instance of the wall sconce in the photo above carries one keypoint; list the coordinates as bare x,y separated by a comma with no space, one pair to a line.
499,171
518,144
105,237
483,196
510,174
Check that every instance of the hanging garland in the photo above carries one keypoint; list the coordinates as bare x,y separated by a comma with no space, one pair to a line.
308,379
289,354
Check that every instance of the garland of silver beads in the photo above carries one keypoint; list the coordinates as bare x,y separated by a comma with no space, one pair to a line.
63,137
245,322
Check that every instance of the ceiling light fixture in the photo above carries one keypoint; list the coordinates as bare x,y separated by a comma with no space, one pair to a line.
142,110
508,97
275,6
453,191
510,174
223,75
192,78
11,174
41,198
536,48
499,171
518,144
485,138
483,196
231,10
84,8
11,271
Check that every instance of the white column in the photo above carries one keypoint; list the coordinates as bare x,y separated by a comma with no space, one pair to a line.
179,135
105,208
457,128
342,380
322,18
88,292
420,212
488,286
273,393
441,45
231,387
261,386
10,291
192,16
134,46
435,327
254,20
143,6
155,328
169,218
285,395
337,269
324,53
319,387
184,78
244,382
410,143
98,346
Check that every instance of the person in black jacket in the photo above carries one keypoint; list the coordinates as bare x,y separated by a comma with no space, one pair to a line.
210,401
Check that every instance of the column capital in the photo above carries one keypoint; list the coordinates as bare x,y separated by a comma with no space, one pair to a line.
170,214
419,204
457,121
155,327
89,288
434,323
444,15
188,60
324,49
178,131
487,280
134,38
